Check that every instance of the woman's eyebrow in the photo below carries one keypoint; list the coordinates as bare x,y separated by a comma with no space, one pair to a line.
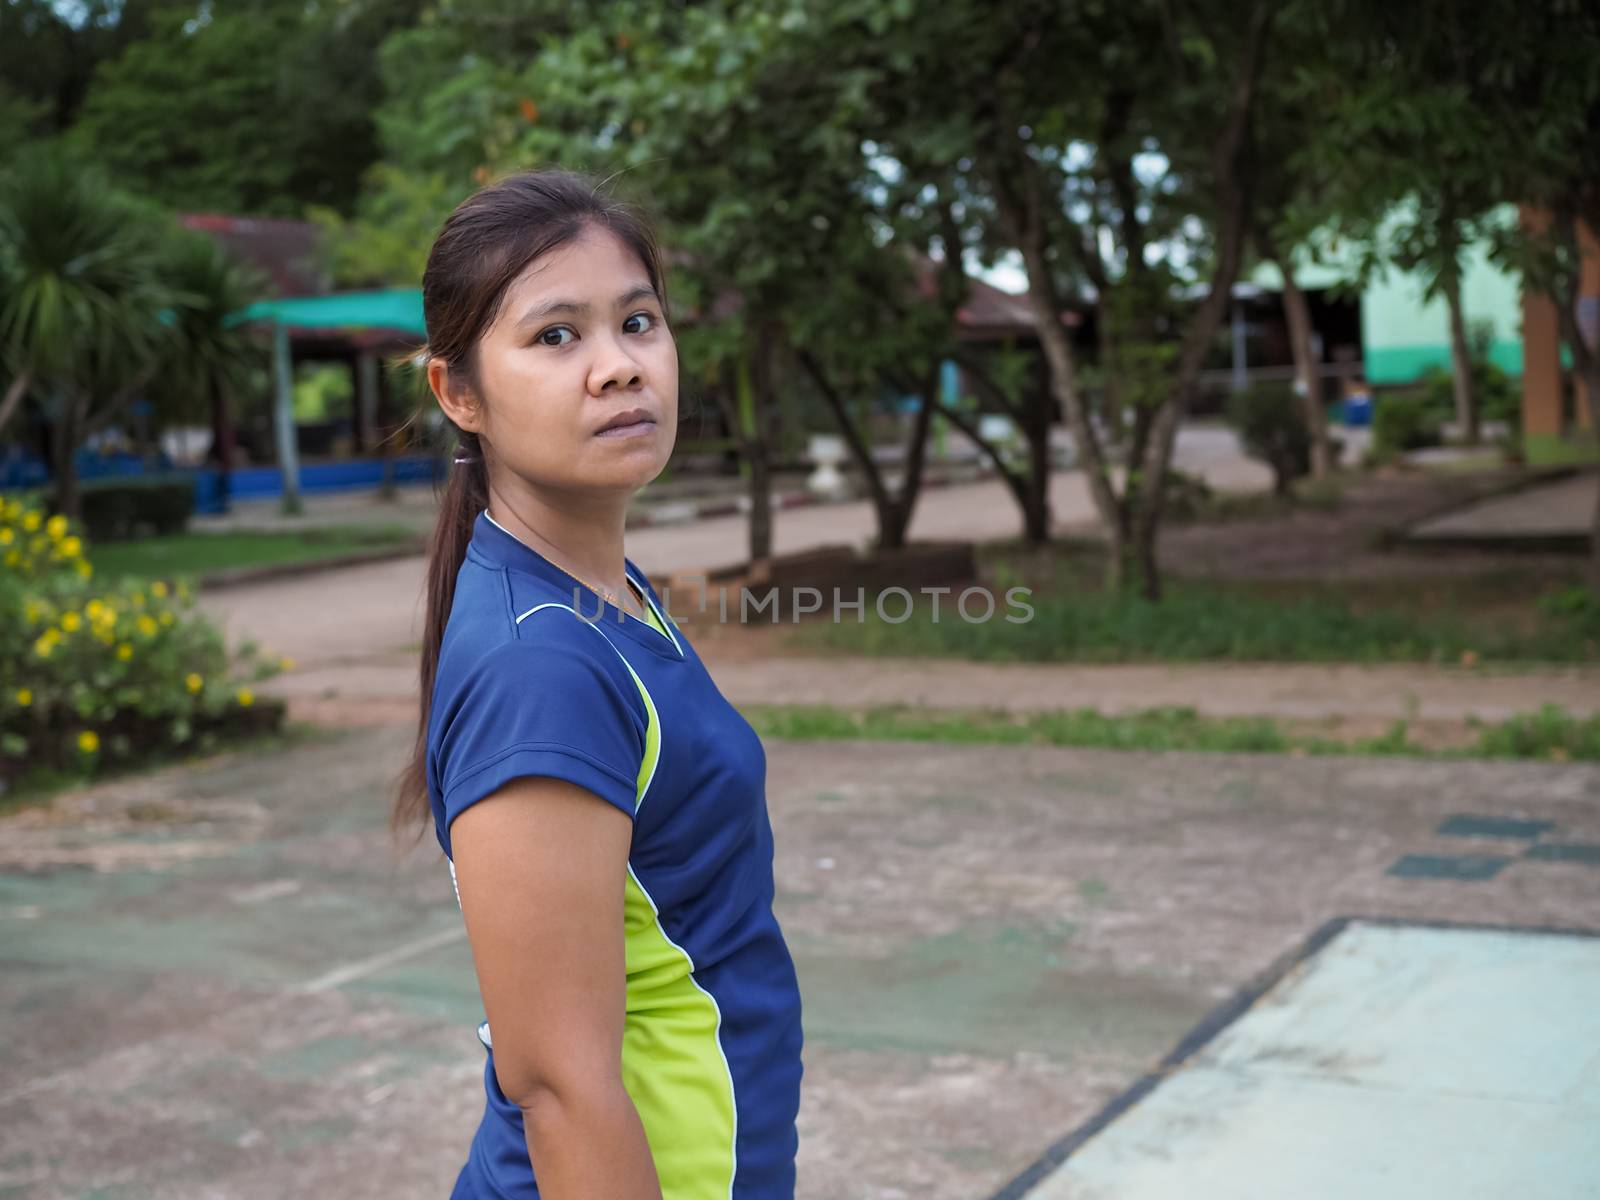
579,308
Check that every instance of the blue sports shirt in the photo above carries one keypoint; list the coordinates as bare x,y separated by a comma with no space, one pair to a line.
538,676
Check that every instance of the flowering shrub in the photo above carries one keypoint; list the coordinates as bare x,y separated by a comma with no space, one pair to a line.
92,674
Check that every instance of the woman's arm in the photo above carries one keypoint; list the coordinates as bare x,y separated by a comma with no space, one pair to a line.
541,866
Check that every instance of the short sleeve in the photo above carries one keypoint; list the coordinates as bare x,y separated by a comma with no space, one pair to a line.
536,708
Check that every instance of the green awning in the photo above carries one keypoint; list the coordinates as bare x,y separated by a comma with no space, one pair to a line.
393,308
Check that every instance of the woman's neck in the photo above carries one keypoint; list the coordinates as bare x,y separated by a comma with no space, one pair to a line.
582,535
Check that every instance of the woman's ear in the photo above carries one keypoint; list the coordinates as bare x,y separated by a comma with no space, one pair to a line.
456,399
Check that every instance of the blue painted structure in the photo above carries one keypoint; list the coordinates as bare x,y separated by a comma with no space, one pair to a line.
347,475
20,470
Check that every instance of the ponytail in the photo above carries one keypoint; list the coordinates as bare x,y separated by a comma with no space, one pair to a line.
466,494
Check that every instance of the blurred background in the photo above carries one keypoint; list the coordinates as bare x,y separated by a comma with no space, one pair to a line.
1259,343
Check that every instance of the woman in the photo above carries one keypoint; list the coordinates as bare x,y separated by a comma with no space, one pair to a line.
600,803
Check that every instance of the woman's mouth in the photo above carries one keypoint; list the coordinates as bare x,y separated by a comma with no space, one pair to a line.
631,429
635,422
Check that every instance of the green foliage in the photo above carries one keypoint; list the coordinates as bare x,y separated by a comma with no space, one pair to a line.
1273,430
119,509
80,285
386,243
1198,623
200,554
1402,422
92,675
1551,733
1493,391
261,108
322,390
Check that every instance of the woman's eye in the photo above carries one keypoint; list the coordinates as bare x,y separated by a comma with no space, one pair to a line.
648,319
545,338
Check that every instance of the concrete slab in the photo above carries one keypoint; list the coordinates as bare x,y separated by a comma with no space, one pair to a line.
1550,514
1396,1061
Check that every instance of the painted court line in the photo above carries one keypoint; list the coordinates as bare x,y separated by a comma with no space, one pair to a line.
350,972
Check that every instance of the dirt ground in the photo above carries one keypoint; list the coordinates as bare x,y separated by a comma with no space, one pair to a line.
219,982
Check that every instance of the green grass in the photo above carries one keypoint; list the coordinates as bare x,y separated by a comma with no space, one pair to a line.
1076,621
196,554
1551,733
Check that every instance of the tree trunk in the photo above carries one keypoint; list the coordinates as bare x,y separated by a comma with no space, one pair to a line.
1032,492
17,389
754,397
1307,382
1589,373
64,451
860,447
1036,513
1461,362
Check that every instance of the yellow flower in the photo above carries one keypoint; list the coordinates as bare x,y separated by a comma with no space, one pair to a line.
56,526
147,625
71,622
167,618
30,522
6,535
246,697
24,697
89,741
124,652
193,682
286,663
32,611
12,558
158,589
71,546
95,610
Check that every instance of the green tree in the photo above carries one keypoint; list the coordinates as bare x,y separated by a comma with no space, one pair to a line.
81,291
1124,179
260,107
209,360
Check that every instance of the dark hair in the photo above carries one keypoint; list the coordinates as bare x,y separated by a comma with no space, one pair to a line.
484,245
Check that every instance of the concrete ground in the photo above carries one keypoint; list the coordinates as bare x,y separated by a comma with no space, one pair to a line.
220,982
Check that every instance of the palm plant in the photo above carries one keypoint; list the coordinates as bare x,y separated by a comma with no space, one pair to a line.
81,295
209,357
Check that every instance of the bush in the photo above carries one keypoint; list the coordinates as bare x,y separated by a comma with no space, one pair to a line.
1273,429
1497,396
1185,497
91,676
1402,422
118,509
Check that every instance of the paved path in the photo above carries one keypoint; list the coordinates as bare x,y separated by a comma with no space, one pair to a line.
1363,700
218,983
359,611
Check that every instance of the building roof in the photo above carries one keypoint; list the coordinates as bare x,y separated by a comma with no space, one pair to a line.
287,253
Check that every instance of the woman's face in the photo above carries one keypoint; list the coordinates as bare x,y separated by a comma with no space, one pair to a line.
579,343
